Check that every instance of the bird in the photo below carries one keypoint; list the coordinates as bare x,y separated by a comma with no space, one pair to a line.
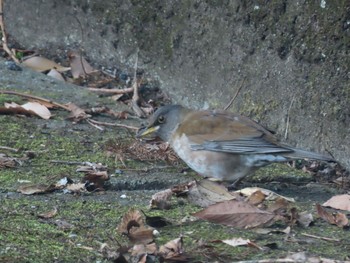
219,144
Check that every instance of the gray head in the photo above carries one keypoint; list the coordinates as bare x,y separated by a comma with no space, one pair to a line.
163,122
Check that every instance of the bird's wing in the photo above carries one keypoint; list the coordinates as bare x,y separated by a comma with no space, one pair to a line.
223,132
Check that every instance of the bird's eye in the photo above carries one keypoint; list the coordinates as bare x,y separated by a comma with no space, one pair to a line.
161,119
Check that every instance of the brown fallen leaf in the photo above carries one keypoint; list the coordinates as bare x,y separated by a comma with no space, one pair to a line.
36,189
341,220
256,198
41,64
341,202
161,200
77,113
80,67
140,249
235,242
338,219
33,108
49,214
172,250
278,206
132,218
237,214
270,195
7,162
55,74
142,234
305,219
95,180
205,193
76,188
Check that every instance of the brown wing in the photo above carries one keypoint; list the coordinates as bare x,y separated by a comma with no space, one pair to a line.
225,132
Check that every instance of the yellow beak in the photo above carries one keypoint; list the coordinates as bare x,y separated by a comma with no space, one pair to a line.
148,131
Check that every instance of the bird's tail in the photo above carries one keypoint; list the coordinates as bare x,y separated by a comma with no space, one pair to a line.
302,154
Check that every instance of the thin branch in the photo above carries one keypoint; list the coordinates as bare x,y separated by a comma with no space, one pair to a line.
8,148
113,91
4,37
113,124
35,98
322,238
136,97
287,124
235,96
94,125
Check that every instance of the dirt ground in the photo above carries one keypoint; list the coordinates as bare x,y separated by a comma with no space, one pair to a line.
86,221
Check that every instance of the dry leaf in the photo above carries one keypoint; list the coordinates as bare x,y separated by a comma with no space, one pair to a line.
7,162
141,234
172,249
35,189
133,218
31,108
206,192
79,65
270,195
38,109
48,214
76,188
95,180
341,202
43,64
237,214
55,74
77,113
279,206
305,219
63,224
140,249
338,219
256,198
161,200
235,242
341,220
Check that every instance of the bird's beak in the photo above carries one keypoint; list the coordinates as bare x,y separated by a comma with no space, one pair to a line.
147,131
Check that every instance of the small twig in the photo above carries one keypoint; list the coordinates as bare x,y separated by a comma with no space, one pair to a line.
35,98
322,238
113,91
94,125
235,96
113,124
136,97
8,148
70,162
287,124
4,37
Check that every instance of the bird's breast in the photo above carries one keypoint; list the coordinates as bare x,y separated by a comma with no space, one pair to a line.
222,166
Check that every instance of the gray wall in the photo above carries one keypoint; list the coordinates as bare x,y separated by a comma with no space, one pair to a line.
201,51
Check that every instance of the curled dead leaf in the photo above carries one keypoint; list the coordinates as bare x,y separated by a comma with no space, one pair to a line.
49,214
161,200
132,218
41,64
80,67
172,249
338,219
33,108
36,189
